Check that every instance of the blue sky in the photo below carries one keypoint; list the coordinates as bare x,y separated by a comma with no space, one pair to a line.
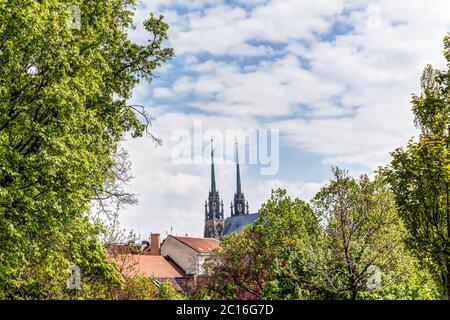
334,77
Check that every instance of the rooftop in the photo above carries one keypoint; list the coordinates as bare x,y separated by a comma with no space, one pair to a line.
199,244
156,266
235,224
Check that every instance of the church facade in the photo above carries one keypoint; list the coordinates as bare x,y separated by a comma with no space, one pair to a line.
215,224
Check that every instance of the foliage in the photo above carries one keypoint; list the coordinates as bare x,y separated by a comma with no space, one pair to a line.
106,206
243,268
419,176
234,272
293,252
363,235
140,287
63,110
166,291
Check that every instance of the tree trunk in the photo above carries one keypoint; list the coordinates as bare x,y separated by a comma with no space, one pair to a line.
354,294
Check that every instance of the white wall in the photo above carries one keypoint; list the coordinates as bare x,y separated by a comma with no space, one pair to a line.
182,254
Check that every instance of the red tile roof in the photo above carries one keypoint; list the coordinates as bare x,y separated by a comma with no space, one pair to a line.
200,244
156,266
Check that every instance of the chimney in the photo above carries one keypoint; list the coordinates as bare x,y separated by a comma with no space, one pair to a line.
155,244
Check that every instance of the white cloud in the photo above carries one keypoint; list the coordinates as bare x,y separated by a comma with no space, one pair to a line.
172,196
273,88
227,29
162,92
277,64
305,191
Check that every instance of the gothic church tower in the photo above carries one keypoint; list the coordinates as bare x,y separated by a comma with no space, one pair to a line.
214,221
239,207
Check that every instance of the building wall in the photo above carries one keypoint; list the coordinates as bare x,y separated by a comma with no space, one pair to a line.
183,255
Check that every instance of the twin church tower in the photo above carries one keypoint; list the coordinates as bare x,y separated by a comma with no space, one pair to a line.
214,215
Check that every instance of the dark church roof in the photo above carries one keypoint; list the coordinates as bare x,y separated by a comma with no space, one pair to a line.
235,224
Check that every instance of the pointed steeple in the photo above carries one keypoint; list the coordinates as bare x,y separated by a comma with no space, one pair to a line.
214,222
238,173
239,198
213,175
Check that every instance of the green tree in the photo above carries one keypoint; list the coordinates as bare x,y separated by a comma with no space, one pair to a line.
244,267
141,287
293,252
361,253
166,291
420,174
63,110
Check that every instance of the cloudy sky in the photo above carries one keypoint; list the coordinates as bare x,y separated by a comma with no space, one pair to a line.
333,76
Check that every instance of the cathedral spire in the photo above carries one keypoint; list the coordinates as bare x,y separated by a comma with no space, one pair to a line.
214,222
238,174
238,207
213,175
